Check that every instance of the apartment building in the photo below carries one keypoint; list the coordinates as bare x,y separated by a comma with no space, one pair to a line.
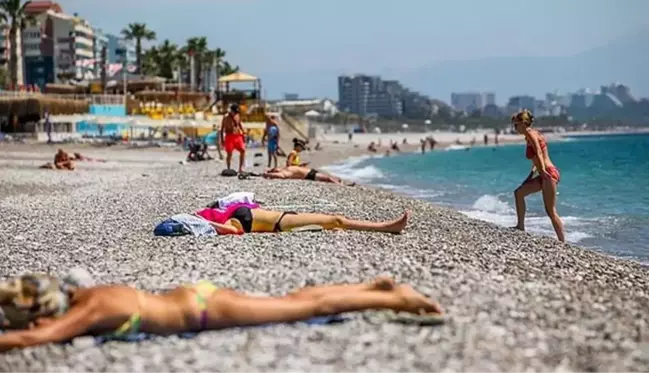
58,47
369,95
120,51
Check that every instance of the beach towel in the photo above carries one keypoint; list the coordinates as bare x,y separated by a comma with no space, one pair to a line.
182,224
234,198
139,337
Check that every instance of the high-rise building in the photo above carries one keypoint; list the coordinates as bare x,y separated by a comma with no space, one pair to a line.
100,42
369,95
467,101
120,51
489,98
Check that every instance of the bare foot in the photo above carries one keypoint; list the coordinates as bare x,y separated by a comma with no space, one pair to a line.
416,302
400,224
383,283
519,228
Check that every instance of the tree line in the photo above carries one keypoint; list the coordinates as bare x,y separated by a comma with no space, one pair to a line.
164,59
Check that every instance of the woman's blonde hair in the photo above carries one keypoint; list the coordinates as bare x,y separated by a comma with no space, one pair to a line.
524,116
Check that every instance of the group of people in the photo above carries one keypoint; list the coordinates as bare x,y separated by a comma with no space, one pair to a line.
44,309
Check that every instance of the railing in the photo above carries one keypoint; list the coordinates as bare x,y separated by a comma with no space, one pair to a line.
91,99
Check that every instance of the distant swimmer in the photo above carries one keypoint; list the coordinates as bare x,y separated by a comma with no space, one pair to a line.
546,181
233,136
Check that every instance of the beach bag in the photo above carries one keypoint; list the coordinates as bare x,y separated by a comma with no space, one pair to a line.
170,227
228,173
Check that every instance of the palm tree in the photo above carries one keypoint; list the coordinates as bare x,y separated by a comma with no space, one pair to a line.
227,69
13,13
150,62
198,47
138,32
165,58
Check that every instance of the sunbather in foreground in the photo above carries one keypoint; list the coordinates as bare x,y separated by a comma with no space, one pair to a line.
59,312
244,218
300,173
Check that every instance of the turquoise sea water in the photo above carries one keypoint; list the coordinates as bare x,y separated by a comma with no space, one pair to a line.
603,194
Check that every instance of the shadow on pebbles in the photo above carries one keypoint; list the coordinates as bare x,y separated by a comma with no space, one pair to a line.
515,301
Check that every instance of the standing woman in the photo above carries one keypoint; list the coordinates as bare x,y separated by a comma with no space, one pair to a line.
548,175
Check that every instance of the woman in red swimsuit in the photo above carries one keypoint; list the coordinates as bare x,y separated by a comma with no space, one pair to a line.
548,175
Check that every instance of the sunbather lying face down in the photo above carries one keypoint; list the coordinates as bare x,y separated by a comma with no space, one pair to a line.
121,310
299,172
242,218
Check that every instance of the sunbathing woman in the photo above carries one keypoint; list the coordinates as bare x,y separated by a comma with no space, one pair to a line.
246,218
62,161
537,152
59,311
303,173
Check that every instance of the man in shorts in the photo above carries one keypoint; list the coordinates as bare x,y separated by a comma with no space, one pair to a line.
233,137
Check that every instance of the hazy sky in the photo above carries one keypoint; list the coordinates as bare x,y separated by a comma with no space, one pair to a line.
372,35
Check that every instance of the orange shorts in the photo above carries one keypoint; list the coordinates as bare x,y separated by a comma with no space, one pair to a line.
234,141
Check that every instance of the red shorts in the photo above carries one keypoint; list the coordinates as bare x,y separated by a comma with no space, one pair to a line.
234,141
554,174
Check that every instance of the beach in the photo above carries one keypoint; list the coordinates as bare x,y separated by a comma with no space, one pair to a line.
514,301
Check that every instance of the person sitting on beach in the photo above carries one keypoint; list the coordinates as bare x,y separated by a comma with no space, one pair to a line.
302,173
198,152
293,158
372,147
244,218
62,161
45,309
548,175
394,146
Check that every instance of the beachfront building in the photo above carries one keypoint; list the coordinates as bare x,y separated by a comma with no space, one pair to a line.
100,42
57,47
120,51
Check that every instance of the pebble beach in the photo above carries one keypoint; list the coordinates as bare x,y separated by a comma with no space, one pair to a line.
514,301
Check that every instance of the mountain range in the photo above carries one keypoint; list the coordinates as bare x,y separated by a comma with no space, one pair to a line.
626,60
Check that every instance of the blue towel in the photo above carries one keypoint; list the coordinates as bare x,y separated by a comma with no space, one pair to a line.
139,337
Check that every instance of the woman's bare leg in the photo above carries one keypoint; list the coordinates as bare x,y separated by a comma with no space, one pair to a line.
340,222
550,201
236,310
378,284
527,188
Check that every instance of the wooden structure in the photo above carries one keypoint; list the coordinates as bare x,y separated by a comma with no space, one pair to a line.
248,99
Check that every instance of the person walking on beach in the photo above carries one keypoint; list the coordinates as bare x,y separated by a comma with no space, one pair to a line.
548,175
233,136
45,309
271,133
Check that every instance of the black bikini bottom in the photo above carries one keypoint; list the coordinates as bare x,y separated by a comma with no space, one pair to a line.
278,227
311,174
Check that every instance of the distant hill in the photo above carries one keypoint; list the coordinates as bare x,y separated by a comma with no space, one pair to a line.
626,60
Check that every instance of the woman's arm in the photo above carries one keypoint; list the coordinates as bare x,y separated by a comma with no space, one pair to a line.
533,138
289,159
225,228
76,322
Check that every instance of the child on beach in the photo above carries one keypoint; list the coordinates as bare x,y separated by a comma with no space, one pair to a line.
59,311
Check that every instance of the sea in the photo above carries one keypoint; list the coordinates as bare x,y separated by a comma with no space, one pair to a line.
603,196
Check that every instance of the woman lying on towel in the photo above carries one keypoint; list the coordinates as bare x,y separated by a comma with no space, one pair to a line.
49,310
303,173
246,218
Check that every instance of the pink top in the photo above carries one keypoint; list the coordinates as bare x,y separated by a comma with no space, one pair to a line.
221,216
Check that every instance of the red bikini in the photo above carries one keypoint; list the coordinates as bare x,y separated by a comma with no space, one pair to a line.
530,152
